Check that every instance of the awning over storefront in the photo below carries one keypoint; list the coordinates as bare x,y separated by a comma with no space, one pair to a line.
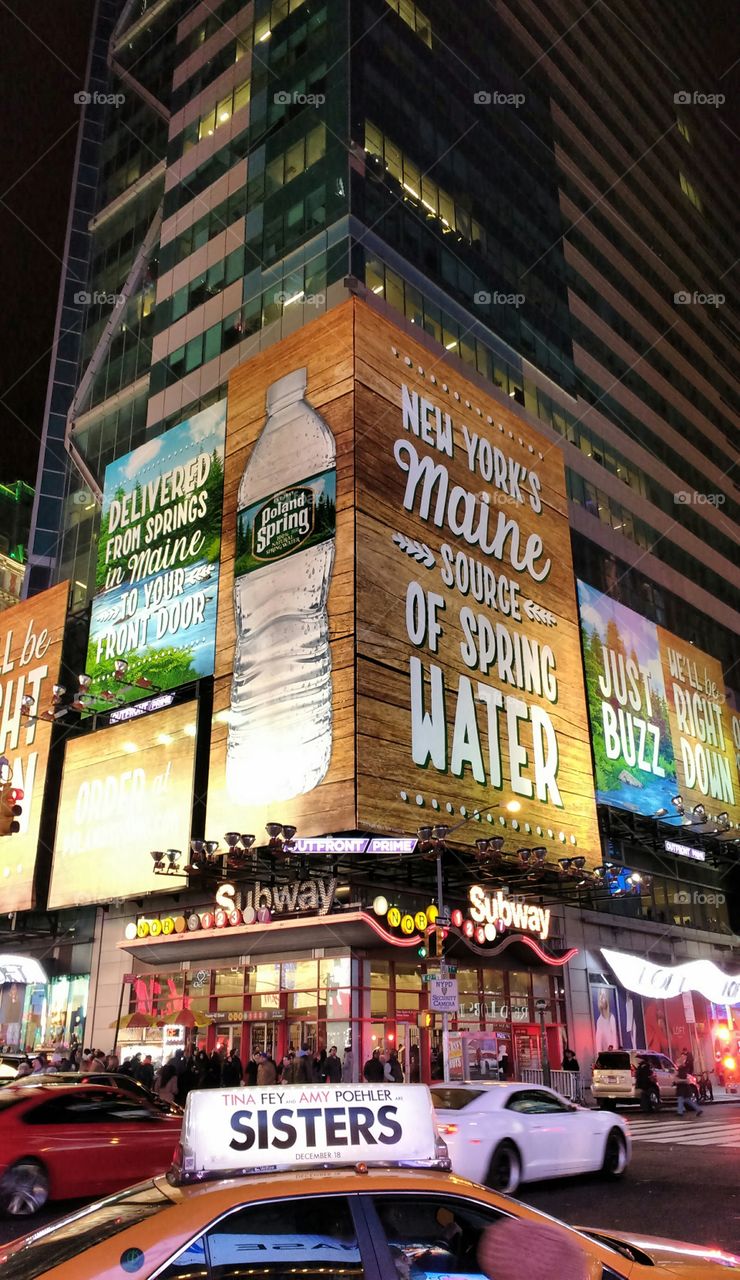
346,929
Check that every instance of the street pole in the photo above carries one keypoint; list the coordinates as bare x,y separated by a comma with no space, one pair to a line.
541,1006
443,974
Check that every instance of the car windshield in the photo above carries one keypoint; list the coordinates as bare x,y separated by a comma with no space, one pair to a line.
613,1062
454,1099
71,1236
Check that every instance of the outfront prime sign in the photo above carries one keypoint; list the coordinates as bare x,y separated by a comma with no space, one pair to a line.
397,628
30,656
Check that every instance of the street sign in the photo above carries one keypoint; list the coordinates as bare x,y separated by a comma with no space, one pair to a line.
443,996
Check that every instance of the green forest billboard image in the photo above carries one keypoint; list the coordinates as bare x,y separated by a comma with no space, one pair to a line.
158,561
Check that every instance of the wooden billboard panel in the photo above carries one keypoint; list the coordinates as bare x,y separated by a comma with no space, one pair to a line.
469,680
325,350
31,636
455,654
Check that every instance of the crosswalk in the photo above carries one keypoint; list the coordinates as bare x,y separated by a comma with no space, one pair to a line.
714,1128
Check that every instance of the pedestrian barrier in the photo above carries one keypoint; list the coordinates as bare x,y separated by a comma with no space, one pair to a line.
566,1082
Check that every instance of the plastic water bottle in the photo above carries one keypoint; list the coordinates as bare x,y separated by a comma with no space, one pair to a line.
280,722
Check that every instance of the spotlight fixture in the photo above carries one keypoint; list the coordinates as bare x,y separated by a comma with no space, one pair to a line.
540,853
660,813
678,805
722,822
698,815
120,667
524,855
166,863
579,862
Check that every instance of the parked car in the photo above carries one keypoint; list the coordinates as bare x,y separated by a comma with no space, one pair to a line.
58,1142
615,1072
116,1079
504,1134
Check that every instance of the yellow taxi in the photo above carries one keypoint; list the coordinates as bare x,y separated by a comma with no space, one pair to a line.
346,1182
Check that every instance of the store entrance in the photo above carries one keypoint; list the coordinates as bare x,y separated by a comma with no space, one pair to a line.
228,1037
263,1039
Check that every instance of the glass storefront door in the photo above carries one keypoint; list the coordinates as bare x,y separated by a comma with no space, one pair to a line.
263,1038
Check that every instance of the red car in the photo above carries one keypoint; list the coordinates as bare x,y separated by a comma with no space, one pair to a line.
59,1142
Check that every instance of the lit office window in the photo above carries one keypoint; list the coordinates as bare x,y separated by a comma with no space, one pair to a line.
411,14
690,192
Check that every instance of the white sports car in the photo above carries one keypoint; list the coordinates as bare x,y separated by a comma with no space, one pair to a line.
504,1134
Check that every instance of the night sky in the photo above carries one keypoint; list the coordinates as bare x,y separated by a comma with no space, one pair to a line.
43,55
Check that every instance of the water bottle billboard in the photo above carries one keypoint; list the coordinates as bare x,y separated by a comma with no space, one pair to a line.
283,726
158,561
661,719
397,637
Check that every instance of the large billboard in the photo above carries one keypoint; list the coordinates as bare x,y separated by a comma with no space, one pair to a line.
470,685
158,560
660,719
126,791
30,657
398,635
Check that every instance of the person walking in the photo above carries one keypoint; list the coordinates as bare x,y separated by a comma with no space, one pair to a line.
374,1071
252,1067
348,1066
333,1067
303,1067
685,1090
231,1072
144,1072
393,1071
286,1075
168,1082
645,1084
266,1071
570,1061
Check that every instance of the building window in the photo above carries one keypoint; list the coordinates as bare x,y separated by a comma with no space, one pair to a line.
690,192
412,15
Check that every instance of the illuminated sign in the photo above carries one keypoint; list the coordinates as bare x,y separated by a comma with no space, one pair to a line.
157,703
126,791
408,650
234,906
158,560
660,722
496,911
355,844
684,850
664,981
30,657
243,1129
20,969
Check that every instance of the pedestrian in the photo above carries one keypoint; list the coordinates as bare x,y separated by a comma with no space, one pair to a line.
393,1071
24,1069
144,1072
186,1078
98,1063
333,1067
414,1064
111,1062
212,1078
39,1065
231,1072
318,1069
286,1074
168,1082
348,1066
266,1071
251,1072
685,1090
689,1059
570,1061
303,1066
645,1084
374,1070
504,1066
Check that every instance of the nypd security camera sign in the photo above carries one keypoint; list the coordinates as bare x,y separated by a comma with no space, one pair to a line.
253,1130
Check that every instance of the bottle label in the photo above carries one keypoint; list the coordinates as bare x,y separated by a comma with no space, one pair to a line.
288,521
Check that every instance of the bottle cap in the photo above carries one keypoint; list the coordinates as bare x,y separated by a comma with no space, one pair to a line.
286,390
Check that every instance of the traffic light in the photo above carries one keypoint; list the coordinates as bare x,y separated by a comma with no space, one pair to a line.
438,936
422,952
10,809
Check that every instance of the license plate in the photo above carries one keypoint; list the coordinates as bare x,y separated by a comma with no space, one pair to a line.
611,1079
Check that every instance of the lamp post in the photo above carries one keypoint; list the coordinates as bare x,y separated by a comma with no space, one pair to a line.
541,1007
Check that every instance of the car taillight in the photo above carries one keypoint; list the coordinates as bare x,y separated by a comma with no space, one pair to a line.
447,1128
633,1070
